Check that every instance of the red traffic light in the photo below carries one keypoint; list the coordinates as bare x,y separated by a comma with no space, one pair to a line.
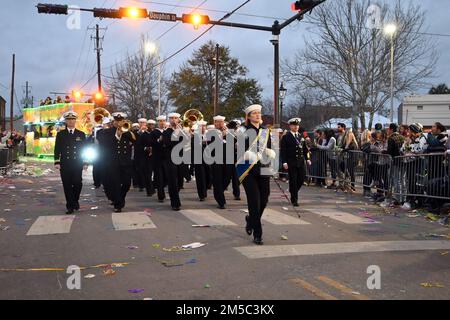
195,19
133,12
303,5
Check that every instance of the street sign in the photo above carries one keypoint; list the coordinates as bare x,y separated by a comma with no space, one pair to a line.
162,16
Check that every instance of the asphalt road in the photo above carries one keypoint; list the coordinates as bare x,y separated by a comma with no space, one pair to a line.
325,254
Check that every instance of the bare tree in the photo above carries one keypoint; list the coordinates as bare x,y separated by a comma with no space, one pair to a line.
134,84
349,60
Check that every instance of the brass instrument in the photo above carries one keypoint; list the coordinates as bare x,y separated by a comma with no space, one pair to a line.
97,115
190,117
126,126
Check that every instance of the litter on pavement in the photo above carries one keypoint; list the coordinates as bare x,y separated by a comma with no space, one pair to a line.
193,245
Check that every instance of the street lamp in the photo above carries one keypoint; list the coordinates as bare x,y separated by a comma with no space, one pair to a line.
152,49
283,91
390,30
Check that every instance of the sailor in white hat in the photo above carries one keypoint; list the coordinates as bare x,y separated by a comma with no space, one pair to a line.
151,125
156,144
68,155
256,175
142,159
201,169
170,169
294,154
118,143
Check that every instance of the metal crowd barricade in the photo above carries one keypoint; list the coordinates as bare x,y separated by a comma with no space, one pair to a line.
423,176
7,157
403,178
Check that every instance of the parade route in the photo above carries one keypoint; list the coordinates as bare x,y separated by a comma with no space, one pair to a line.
324,254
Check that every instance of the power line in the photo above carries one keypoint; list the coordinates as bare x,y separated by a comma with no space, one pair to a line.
156,39
211,10
202,34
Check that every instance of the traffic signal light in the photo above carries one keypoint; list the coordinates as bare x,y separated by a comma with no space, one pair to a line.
98,96
195,19
107,13
132,12
52,8
77,95
303,5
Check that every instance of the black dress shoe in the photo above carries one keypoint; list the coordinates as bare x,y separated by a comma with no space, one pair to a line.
258,241
248,229
77,207
221,206
176,208
117,209
237,198
202,199
69,211
295,204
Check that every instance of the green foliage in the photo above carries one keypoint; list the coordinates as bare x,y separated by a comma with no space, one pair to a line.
193,85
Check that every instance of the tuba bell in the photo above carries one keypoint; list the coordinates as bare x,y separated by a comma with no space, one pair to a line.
97,116
190,117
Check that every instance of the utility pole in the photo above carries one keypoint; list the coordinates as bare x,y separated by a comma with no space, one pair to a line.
27,91
98,48
216,86
11,103
276,73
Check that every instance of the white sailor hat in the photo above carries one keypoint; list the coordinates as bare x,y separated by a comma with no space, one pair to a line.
142,120
253,107
238,121
161,118
295,121
174,115
219,118
119,115
202,123
70,115
210,127
106,120
151,121
135,125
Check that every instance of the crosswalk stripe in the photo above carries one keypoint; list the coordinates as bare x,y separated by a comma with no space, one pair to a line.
258,252
45,225
342,216
278,218
342,288
314,290
206,217
132,221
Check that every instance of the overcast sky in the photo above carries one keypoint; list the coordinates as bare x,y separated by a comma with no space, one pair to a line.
52,57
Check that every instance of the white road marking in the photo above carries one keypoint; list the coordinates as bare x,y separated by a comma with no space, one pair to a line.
132,221
206,217
342,216
45,225
278,218
258,252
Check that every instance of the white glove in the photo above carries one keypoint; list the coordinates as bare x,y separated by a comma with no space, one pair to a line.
270,153
250,156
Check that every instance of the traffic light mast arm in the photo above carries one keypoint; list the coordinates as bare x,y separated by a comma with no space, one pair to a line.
236,25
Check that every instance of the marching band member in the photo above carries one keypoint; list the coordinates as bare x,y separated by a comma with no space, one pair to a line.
158,156
68,147
171,170
201,170
220,176
252,170
119,142
231,171
294,153
142,158
151,124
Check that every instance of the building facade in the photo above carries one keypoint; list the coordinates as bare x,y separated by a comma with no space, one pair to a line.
425,109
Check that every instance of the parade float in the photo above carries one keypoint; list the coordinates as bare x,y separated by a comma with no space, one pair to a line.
42,123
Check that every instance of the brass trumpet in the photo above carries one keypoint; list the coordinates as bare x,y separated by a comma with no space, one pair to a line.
126,126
